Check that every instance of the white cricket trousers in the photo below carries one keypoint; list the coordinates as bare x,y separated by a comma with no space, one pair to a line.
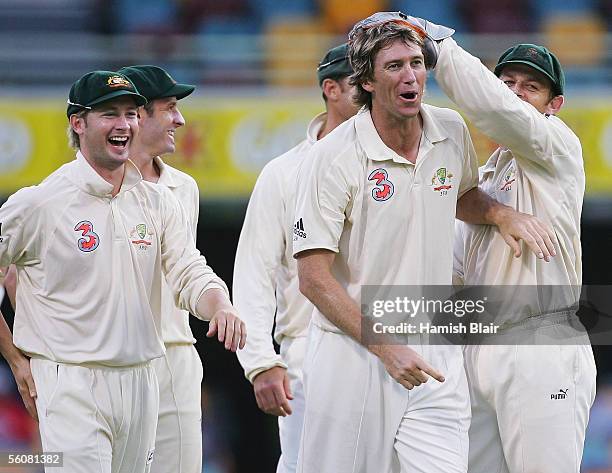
178,444
360,420
292,351
530,403
103,419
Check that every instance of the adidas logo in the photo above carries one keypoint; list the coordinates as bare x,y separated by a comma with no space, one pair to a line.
298,229
560,395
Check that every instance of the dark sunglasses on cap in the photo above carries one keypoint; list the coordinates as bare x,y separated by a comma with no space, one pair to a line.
381,18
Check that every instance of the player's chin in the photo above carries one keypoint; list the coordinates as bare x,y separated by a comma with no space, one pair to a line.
410,110
407,110
118,159
168,147
119,153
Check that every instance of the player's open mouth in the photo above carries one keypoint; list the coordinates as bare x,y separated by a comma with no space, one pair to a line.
120,141
409,95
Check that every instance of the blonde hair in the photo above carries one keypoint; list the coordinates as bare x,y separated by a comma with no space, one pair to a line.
73,137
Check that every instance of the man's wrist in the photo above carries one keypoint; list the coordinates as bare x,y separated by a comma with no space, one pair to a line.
497,213
377,350
211,301
256,372
14,357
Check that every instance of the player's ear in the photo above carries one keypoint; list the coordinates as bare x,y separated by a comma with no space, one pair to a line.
330,89
367,86
78,123
555,104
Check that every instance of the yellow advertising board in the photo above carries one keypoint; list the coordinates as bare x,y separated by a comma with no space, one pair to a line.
227,141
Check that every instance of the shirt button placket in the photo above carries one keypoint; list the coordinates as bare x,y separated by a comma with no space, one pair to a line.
115,214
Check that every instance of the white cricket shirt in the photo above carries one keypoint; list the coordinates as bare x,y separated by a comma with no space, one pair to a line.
538,169
265,272
175,321
90,265
390,221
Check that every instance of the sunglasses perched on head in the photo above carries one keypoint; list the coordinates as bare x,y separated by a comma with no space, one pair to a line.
381,18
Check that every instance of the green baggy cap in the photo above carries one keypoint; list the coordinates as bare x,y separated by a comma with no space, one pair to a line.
155,83
538,57
100,86
334,64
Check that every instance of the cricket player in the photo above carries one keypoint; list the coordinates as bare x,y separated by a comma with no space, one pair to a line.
265,272
530,403
90,244
374,210
178,442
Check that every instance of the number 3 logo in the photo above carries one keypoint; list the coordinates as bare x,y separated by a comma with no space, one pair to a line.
90,240
384,189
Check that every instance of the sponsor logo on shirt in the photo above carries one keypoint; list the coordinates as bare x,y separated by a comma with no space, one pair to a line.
141,237
442,181
298,230
384,188
89,240
509,178
561,395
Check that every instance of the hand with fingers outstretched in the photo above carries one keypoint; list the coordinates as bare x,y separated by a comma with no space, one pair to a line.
537,234
230,330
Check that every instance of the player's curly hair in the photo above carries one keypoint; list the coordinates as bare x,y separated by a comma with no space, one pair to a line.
73,138
364,48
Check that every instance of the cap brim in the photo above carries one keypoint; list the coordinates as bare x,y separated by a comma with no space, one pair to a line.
335,70
139,99
180,91
501,65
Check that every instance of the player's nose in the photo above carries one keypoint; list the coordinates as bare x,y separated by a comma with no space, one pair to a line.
121,122
408,75
517,89
178,119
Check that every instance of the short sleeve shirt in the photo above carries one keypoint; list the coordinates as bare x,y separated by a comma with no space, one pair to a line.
389,221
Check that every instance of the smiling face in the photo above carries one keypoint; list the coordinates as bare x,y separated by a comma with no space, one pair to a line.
158,126
399,80
106,131
531,86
